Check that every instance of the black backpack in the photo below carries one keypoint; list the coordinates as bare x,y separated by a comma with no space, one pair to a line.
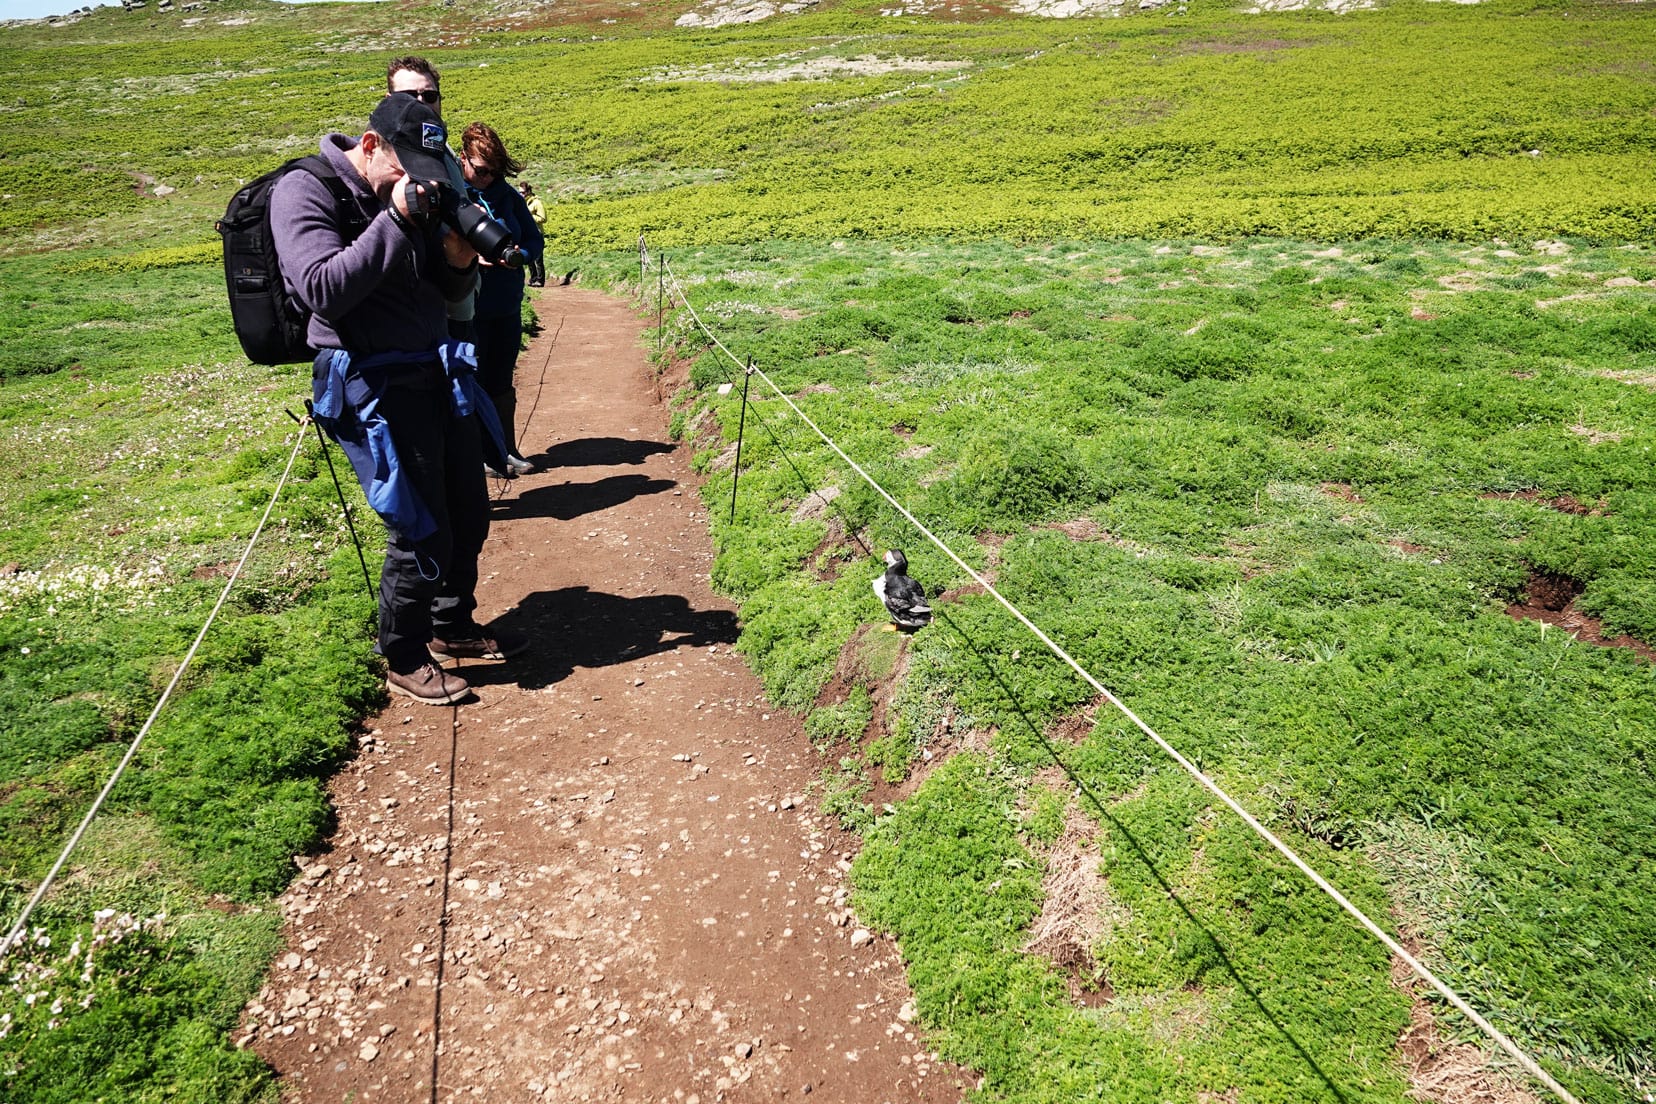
269,322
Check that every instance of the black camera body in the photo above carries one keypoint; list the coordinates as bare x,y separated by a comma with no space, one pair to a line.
428,199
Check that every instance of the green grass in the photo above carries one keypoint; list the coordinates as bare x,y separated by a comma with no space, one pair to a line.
160,1000
89,316
842,722
1300,465
1258,984
1200,123
134,482
1080,274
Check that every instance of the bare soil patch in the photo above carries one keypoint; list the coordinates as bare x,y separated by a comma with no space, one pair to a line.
1342,491
1594,436
1076,911
1080,529
1442,1072
1633,376
599,879
837,549
1074,727
1551,599
1565,504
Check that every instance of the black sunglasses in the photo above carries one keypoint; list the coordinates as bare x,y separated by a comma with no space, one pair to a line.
424,95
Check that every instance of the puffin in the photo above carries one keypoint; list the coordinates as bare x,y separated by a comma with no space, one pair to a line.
904,598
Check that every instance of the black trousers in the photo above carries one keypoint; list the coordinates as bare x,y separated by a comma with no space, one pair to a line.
430,588
498,338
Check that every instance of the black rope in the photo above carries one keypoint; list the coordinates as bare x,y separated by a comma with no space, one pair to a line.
443,908
504,483
367,583
540,384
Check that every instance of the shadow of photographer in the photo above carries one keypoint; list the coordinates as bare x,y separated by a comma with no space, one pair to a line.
568,501
596,452
579,627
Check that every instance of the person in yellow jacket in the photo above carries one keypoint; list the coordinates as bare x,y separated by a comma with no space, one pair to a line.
537,211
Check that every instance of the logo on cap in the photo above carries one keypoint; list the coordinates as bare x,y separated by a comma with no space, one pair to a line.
432,136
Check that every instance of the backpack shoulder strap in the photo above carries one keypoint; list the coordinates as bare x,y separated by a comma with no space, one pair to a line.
356,220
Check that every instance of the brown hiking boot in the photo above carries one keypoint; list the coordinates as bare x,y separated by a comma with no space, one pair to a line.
430,684
480,643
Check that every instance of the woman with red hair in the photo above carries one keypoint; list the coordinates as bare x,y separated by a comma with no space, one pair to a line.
499,318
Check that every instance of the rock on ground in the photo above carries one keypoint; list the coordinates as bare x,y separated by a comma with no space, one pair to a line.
596,881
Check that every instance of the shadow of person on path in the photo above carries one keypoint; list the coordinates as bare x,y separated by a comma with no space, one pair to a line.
567,501
592,452
579,627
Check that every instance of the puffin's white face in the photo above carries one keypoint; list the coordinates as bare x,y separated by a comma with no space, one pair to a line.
890,558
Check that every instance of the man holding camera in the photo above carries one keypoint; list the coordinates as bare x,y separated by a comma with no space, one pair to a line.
415,76
377,275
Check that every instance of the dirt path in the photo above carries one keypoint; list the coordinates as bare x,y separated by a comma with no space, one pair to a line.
641,903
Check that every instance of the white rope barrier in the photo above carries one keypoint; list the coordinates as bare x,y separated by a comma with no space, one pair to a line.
1506,1044
15,936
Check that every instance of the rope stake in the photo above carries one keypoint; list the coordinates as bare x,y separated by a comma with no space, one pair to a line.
741,424
1494,1034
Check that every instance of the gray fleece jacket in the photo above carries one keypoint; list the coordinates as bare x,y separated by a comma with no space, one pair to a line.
386,291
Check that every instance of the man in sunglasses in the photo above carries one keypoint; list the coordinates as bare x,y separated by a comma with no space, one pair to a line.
415,77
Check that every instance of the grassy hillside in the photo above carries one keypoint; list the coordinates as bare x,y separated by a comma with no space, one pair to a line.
1279,497
1515,119
1265,359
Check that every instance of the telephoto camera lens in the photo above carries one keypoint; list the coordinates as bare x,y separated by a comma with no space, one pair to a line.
493,242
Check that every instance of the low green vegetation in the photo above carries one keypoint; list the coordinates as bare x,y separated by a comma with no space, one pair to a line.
1262,359
1279,497
134,1005
841,722
1516,118
134,480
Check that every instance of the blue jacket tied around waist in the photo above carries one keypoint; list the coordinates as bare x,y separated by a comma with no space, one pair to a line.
345,394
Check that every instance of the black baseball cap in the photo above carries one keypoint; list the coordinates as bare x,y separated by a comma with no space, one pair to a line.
415,132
